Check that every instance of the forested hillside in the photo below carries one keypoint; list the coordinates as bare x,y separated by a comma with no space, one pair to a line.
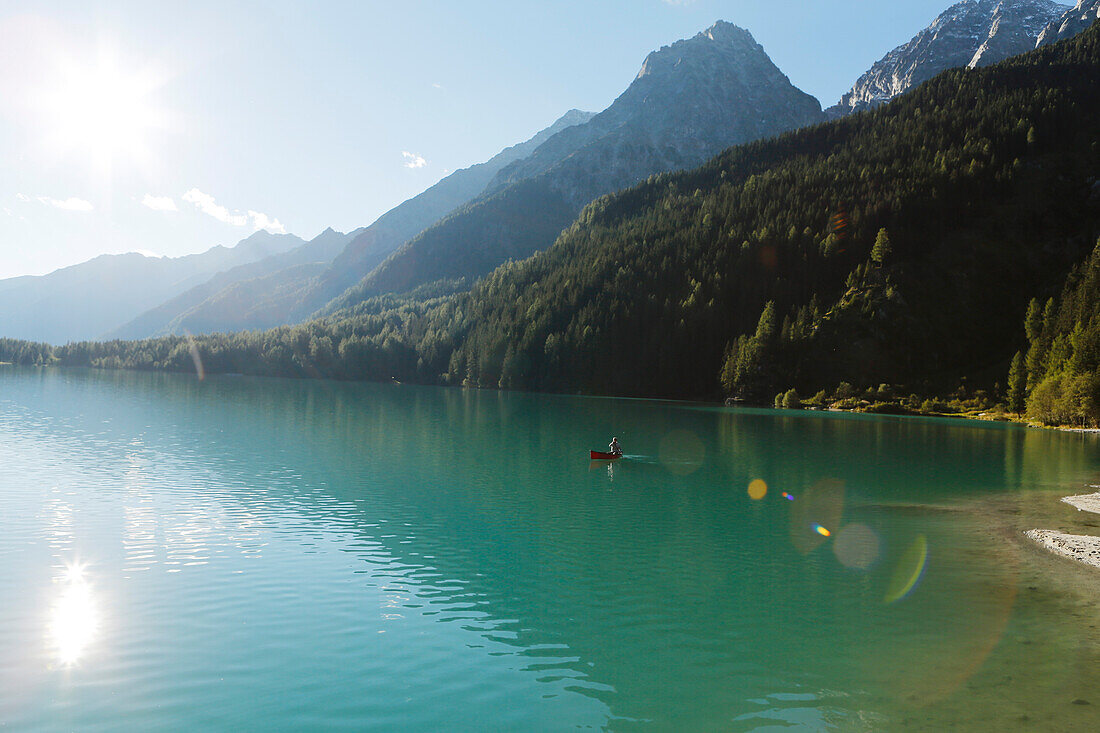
982,180
1057,377
897,246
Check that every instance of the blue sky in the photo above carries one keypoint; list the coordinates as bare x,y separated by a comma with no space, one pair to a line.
170,128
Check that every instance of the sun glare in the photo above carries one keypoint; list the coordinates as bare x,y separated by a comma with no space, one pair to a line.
104,109
73,621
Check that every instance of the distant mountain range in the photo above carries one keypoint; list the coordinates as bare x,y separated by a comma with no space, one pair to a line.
274,296
236,293
86,301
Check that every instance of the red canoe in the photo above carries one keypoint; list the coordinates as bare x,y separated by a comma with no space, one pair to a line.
599,456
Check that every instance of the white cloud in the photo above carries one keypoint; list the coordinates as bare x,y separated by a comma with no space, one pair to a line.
412,160
23,197
69,204
206,204
437,85
159,203
8,211
262,221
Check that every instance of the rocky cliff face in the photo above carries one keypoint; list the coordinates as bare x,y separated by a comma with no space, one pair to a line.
1072,22
971,33
688,102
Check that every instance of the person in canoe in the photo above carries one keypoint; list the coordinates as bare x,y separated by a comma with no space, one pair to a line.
614,448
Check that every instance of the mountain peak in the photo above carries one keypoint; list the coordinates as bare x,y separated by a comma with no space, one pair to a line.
574,117
690,101
725,32
723,42
1070,23
970,33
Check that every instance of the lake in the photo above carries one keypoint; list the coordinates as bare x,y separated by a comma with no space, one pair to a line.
242,553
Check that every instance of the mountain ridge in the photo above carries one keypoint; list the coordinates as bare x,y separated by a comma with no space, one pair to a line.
172,316
1073,21
303,289
968,34
689,101
88,299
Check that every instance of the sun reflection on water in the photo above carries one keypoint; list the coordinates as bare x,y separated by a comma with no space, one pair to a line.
74,619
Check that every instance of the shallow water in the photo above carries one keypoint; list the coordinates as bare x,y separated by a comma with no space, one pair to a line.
285,555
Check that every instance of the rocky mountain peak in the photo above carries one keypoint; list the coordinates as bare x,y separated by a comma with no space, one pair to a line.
725,32
722,38
968,34
1072,22
574,117
690,100
1014,27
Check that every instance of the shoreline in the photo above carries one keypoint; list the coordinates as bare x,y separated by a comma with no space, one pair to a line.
1084,549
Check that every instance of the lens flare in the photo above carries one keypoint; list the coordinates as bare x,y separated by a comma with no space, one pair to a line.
909,570
819,507
788,497
196,357
682,452
758,489
768,259
856,546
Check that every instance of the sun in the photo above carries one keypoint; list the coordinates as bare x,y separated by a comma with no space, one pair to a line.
103,109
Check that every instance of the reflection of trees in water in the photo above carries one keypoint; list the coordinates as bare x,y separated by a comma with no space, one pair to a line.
883,457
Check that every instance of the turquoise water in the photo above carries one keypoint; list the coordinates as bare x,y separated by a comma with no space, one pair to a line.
288,555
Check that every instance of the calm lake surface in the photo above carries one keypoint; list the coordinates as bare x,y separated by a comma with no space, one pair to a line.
257,554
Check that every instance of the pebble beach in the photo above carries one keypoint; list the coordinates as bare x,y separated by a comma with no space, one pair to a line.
1083,548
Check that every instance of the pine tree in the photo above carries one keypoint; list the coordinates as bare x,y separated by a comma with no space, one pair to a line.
881,250
1033,322
765,327
1017,383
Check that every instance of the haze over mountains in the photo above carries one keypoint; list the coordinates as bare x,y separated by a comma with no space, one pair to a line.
288,295
235,293
85,301
689,101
